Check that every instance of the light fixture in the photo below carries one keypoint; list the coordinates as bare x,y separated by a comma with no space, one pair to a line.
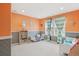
62,8
23,10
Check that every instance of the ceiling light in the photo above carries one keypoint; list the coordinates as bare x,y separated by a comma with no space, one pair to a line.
23,11
62,8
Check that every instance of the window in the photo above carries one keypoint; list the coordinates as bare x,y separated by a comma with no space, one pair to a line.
60,24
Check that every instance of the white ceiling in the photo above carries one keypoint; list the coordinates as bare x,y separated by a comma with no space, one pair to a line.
41,10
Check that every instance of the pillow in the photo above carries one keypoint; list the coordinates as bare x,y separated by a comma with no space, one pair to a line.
69,41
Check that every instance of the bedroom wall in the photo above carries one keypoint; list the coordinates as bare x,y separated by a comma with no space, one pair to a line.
5,29
74,15
5,19
32,25
16,22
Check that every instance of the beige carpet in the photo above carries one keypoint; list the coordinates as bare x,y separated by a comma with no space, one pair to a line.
42,48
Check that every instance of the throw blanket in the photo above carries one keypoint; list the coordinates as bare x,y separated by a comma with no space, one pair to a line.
74,51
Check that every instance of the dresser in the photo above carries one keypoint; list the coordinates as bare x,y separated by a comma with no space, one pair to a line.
23,35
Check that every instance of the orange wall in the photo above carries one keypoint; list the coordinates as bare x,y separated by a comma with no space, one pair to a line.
74,15
40,23
5,19
16,22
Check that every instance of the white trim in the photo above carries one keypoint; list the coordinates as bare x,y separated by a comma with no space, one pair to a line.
5,37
